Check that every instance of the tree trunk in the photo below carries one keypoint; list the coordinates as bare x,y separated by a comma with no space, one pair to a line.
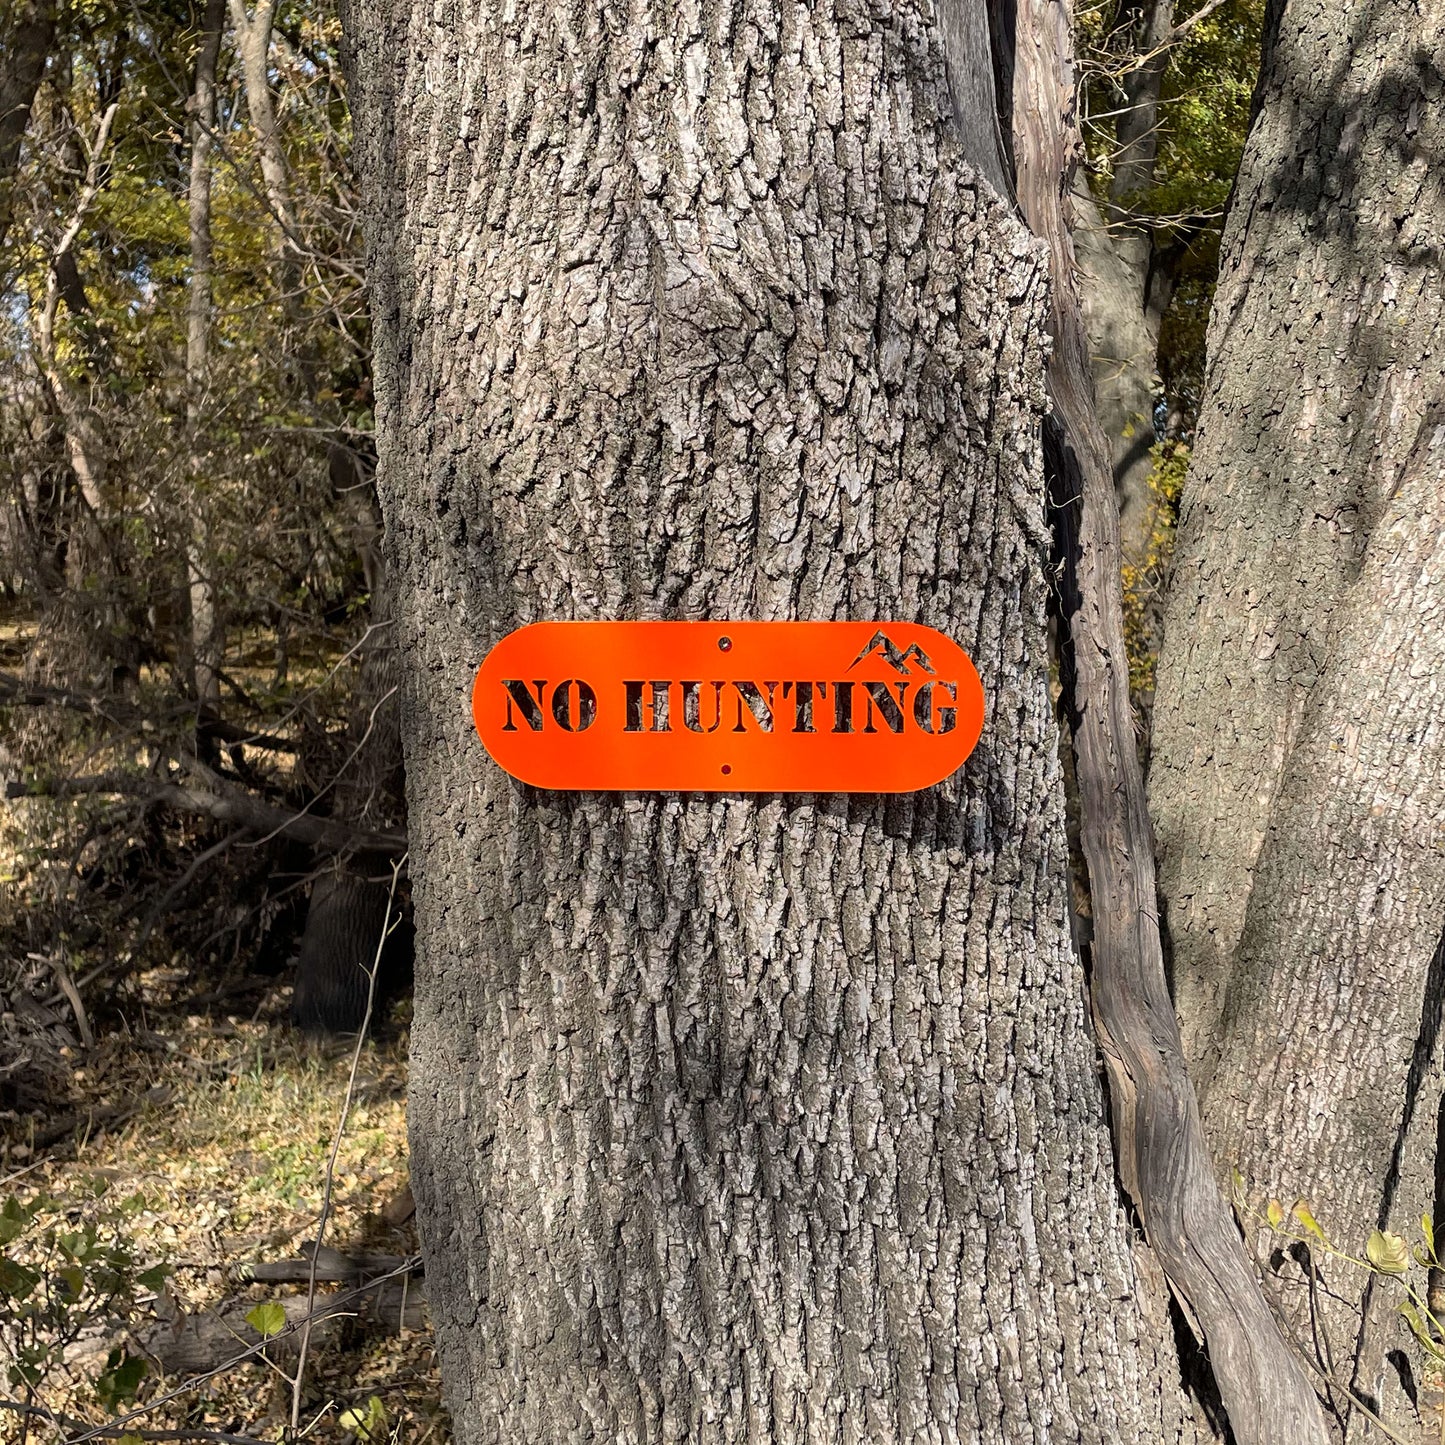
91,636
1124,298
1123,289
253,44
1159,1142
27,39
1298,787
734,1118
367,792
206,634
348,906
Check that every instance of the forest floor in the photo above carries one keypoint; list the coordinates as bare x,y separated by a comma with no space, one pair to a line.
153,1091
211,1132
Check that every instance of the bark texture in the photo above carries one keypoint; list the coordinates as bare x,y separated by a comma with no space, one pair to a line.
1298,787
1159,1142
1124,297
734,1119
1122,282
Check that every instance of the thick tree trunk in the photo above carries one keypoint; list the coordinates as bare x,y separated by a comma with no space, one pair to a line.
762,1119
1299,777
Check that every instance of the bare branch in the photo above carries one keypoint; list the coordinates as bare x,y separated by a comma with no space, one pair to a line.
386,924
334,1303
230,806
1185,26
116,1432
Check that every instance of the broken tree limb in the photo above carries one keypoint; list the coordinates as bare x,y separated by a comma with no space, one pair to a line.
225,806
332,1267
16,693
199,1343
1163,1162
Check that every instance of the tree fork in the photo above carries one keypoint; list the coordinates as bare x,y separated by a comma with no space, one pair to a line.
1163,1161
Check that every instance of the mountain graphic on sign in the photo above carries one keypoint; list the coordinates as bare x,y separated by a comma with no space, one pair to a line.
881,645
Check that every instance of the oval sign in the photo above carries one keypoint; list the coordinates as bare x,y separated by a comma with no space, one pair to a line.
749,707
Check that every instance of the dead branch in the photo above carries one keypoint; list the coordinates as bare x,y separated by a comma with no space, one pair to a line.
332,1267
13,692
230,806
115,1432
336,1304
201,1342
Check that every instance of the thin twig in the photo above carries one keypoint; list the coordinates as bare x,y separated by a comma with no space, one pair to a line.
171,893
335,1302
114,1432
326,1192
350,758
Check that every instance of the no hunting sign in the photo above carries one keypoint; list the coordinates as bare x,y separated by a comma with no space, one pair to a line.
755,707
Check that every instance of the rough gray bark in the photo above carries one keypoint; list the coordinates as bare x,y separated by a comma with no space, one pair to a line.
1159,1142
1298,787
1124,298
761,1119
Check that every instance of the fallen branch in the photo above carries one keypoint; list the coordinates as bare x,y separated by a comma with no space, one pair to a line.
331,1267
201,1342
14,692
229,806
106,1117
335,1303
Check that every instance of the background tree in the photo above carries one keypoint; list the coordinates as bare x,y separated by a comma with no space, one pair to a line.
1299,778
1164,101
27,28
186,417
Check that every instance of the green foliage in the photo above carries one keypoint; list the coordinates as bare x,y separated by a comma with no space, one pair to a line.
67,1269
267,1319
367,1422
1390,1258
1204,113
1144,580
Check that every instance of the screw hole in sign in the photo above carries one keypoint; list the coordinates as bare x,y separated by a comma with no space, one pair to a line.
796,707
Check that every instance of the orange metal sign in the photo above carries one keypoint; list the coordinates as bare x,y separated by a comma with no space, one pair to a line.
752,707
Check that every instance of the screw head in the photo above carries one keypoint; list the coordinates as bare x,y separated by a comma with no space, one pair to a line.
725,644
727,768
